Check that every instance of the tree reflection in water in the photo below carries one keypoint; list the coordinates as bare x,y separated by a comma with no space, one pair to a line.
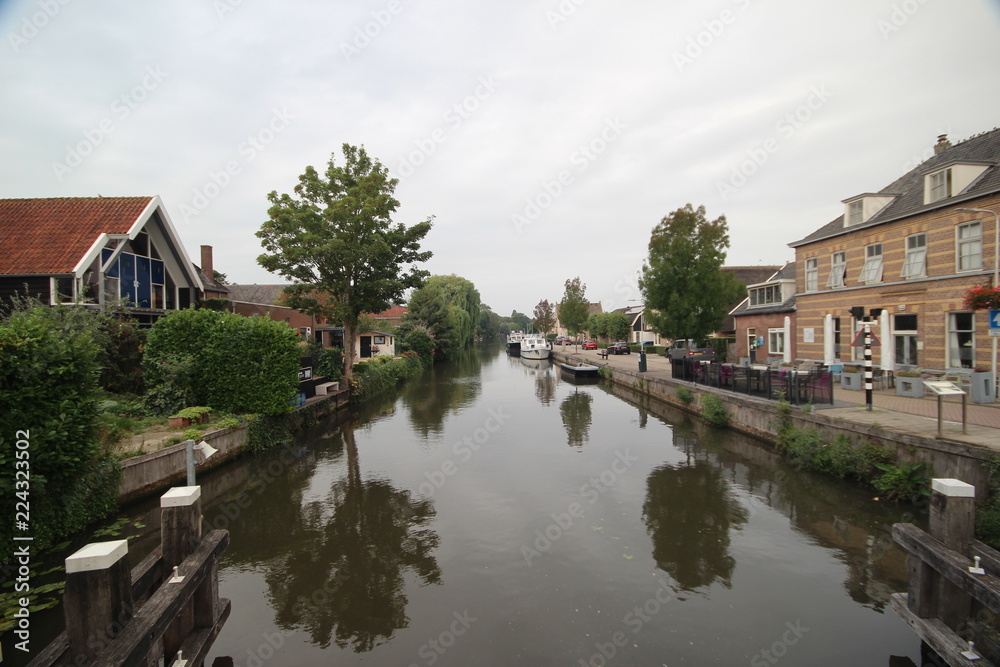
689,512
344,581
575,411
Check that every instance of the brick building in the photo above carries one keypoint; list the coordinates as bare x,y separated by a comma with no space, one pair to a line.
906,253
765,319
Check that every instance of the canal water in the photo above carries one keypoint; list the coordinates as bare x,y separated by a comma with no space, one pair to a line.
495,513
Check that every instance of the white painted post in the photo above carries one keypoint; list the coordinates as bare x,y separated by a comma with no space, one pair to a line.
787,355
888,356
828,357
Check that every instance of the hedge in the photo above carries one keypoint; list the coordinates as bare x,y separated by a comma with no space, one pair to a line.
236,364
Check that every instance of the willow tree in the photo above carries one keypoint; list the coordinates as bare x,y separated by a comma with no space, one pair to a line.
685,290
336,241
449,307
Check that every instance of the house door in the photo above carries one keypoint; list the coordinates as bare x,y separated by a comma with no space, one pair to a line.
366,347
752,344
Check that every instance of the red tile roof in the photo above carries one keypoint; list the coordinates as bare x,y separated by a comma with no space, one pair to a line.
48,236
393,313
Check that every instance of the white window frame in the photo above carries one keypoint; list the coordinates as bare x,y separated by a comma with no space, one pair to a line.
960,338
903,337
964,244
812,274
939,184
775,341
915,263
54,295
856,212
872,270
838,269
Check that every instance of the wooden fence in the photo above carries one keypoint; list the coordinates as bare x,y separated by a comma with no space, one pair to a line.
953,588
165,610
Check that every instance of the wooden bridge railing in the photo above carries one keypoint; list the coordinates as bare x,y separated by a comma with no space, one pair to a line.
946,576
106,625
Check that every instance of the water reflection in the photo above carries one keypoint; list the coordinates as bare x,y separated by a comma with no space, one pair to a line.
447,389
545,378
576,417
689,512
342,580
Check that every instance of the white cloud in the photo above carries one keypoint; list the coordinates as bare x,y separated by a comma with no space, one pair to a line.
557,84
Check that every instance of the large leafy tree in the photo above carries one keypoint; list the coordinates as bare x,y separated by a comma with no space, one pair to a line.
686,292
574,307
545,317
449,307
519,321
335,239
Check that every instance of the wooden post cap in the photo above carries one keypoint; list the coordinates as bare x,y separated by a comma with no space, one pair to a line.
97,556
180,496
954,488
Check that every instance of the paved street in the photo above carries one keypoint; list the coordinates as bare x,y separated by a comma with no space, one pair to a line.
914,415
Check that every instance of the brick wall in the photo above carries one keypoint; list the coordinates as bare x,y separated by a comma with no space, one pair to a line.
931,298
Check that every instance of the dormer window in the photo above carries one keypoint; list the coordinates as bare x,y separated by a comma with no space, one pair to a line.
952,180
940,185
765,296
863,208
855,212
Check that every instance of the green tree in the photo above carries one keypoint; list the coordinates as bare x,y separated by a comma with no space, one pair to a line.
617,326
519,321
449,307
686,292
335,239
489,324
545,317
574,307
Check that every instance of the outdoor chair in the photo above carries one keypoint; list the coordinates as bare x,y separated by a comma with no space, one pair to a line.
820,387
726,376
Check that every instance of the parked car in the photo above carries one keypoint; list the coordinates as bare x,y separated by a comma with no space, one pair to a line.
563,340
619,348
691,349
590,344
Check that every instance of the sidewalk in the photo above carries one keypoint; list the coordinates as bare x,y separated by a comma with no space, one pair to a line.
900,413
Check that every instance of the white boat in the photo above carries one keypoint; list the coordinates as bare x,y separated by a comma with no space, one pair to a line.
514,339
534,346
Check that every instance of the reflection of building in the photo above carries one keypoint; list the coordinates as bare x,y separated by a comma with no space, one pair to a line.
907,252
120,252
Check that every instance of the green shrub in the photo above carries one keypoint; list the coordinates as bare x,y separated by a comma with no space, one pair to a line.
383,375
713,410
906,481
721,347
228,422
191,434
685,394
327,362
48,400
237,364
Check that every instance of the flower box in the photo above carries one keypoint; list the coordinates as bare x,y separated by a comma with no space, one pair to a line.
177,423
852,381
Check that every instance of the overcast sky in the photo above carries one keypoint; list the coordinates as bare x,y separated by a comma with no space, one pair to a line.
547,138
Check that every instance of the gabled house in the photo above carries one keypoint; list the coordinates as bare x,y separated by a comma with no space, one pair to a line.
107,252
906,254
639,330
748,275
765,319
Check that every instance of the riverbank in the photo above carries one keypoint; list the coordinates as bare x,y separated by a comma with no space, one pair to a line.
149,473
902,425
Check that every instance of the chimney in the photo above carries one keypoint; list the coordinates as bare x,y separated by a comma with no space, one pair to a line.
942,144
206,262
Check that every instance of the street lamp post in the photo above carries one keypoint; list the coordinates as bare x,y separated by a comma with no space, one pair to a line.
996,276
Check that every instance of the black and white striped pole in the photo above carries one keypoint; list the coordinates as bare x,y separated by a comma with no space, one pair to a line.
868,362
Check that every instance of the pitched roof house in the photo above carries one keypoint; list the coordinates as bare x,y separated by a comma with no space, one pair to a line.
121,252
906,255
765,318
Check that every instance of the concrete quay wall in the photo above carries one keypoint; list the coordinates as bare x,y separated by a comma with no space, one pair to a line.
758,417
149,473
